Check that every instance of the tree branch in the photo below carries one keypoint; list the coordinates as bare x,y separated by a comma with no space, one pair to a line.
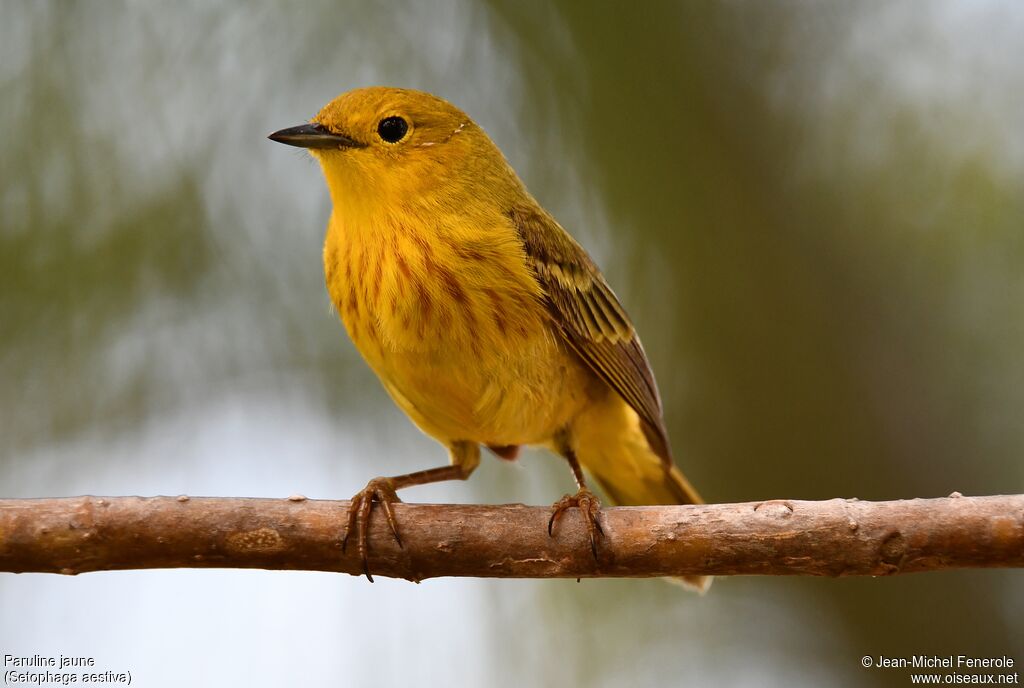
838,537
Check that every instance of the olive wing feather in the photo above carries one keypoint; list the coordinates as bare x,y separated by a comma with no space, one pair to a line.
591,319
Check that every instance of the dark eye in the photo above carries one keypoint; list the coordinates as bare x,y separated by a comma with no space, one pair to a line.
392,129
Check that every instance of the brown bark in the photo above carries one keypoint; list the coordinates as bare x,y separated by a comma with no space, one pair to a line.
838,537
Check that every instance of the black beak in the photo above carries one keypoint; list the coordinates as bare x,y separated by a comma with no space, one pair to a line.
313,136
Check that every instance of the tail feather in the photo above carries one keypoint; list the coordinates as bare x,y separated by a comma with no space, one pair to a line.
670,487
675,483
615,452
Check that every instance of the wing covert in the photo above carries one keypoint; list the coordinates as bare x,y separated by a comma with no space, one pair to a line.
591,319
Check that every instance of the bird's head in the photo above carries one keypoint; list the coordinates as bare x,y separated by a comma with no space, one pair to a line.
388,143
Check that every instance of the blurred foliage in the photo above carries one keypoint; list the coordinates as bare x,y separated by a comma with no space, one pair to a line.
817,345
81,250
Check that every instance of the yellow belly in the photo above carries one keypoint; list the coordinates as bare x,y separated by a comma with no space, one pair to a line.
465,351
524,399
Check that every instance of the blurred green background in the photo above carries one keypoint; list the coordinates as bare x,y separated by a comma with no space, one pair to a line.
814,212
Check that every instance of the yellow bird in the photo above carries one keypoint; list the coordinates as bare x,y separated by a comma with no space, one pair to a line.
485,321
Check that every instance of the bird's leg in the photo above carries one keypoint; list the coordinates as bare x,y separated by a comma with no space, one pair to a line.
465,457
588,503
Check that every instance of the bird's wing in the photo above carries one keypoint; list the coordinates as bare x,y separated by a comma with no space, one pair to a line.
590,318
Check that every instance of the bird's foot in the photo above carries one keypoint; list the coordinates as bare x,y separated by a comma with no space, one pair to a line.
382,491
589,505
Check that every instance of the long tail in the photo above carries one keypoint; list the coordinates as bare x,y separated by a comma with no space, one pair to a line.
612,448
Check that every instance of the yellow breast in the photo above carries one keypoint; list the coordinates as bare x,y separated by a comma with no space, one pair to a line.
454,327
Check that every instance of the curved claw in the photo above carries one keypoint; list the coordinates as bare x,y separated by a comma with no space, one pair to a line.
382,491
589,505
556,511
